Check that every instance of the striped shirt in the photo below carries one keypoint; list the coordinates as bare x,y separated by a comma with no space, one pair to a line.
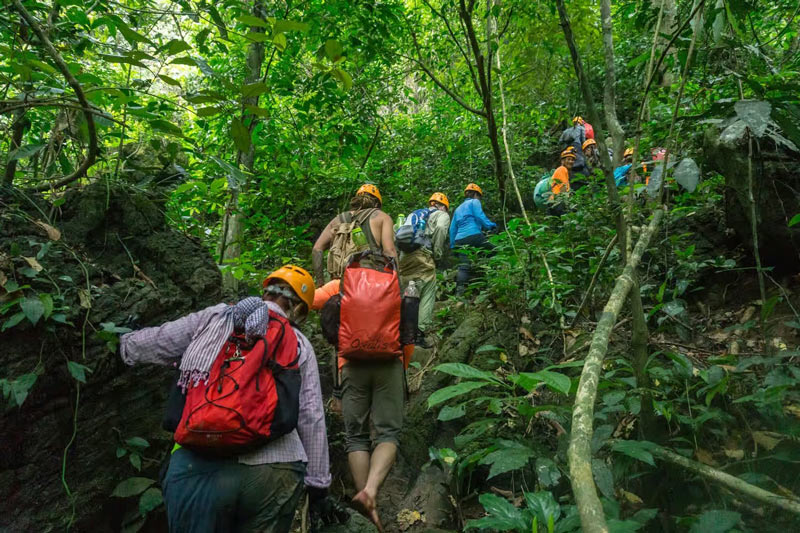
167,344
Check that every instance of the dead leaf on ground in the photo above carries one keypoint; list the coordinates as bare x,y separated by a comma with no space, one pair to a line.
525,319
525,331
86,298
3,278
793,410
34,264
52,233
747,314
767,439
523,350
705,457
407,518
720,336
735,454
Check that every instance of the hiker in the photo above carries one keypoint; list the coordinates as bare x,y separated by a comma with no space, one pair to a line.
254,483
574,137
363,227
431,224
551,192
622,171
466,229
591,155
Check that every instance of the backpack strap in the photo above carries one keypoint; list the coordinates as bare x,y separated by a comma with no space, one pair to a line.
363,217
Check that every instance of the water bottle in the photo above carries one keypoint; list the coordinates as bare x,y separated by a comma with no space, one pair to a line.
399,221
409,314
359,239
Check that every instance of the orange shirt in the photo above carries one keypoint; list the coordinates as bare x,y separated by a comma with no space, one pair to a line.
560,181
324,293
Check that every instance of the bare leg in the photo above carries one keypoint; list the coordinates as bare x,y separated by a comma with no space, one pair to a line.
359,468
379,465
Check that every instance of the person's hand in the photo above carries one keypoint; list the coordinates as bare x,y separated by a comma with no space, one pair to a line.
324,510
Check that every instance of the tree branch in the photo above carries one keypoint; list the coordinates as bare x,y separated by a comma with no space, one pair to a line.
91,154
580,449
452,94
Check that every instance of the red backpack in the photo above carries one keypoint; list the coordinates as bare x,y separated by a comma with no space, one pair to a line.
589,130
369,318
252,395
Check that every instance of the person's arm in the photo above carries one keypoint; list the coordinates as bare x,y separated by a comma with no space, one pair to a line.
453,231
165,344
441,221
480,216
311,420
387,235
318,253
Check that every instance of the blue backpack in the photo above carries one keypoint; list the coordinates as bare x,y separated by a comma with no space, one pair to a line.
411,235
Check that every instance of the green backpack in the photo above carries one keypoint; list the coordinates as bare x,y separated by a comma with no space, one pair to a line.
543,192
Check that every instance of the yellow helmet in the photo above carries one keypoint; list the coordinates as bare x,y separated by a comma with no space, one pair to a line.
441,198
569,152
628,152
473,187
578,120
298,279
587,143
370,189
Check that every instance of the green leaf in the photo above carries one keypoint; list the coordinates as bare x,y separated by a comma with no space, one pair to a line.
131,35
716,521
136,461
638,449
137,442
795,220
281,26
220,24
33,308
623,526
150,499
184,60
240,135
503,516
279,40
166,127
132,486
47,303
257,37
543,506
639,59
488,348
254,89
257,111
554,380
21,386
169,80
208,111
512,456
176,46
451,413
442,395
460,370
13,321
333,50
78,371
250,20
547,472
24,152
603,478
343,77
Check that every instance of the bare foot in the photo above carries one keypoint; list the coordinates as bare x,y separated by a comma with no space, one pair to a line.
365,504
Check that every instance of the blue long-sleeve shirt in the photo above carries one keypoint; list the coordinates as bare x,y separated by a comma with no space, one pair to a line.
468,219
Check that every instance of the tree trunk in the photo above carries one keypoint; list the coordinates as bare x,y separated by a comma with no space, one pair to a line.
230,248
19,124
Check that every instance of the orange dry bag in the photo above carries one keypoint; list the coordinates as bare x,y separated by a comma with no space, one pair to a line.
370,309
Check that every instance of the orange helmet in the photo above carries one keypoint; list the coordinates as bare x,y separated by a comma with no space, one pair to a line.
587,143
298,279
578,120
441,198
370,189
569,152
473,187
628,152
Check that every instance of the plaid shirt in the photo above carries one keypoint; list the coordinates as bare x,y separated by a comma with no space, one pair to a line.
166,345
